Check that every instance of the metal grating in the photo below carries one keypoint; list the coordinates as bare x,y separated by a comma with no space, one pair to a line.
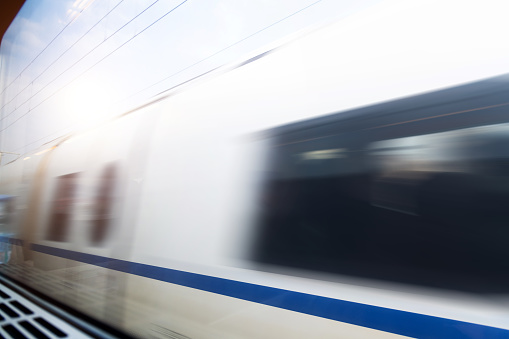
21,318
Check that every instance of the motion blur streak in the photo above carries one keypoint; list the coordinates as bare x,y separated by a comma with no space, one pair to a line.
313,189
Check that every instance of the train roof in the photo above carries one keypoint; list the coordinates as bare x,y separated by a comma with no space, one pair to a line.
428,100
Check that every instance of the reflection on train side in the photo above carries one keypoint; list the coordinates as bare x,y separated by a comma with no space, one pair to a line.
424,209
405,163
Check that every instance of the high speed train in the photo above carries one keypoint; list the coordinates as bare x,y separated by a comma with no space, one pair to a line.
273,199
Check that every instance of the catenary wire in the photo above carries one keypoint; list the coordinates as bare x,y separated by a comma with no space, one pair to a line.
95,64
62,54
182,70
224,49
77,61
52,40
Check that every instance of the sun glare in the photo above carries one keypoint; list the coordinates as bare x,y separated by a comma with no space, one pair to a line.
86,104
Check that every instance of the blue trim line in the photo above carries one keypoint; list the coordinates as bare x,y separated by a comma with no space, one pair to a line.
12,241
378,318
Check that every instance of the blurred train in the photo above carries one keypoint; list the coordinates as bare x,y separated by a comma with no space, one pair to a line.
234,206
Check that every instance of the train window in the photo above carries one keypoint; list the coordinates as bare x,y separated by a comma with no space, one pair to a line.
6,213
6,227
62,208
103,205
424,209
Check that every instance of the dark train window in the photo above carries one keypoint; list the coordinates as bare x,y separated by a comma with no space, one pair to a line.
103,205
62,209
6,213
430,210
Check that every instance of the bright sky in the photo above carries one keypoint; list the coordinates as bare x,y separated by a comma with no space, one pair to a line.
68,64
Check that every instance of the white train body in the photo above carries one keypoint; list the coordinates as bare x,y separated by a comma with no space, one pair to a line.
149,222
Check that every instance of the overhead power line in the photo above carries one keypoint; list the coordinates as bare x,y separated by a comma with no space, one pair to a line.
46,47
95,64
168,77
81,58
62,54
225,48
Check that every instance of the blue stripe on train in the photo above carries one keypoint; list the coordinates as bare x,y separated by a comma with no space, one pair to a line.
379,318
10,240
